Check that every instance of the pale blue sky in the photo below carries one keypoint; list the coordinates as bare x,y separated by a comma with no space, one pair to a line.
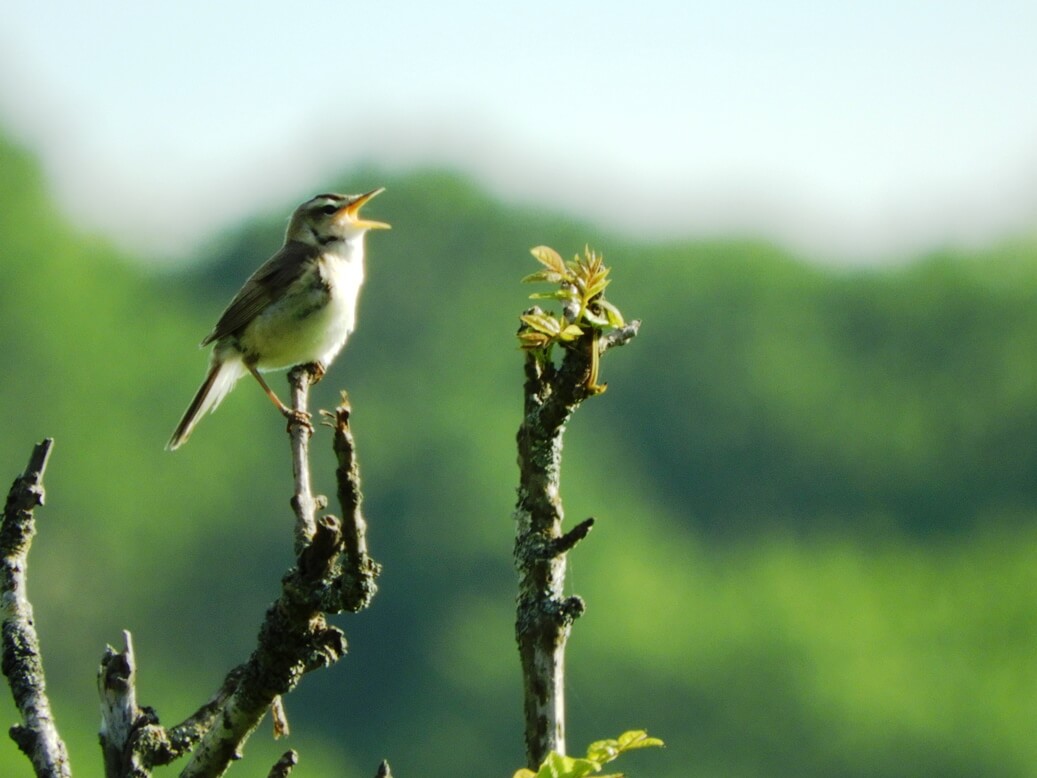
853,129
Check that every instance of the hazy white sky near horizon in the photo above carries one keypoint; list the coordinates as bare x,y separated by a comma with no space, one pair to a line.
853,130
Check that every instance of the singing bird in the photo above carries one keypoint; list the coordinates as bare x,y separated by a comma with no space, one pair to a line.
298,308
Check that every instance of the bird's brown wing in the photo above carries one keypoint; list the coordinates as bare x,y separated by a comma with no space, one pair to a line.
262,288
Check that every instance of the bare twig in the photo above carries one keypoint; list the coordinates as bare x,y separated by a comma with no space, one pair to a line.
619,337
284,765
383,770
131,739
280,717
359,571
569,540
37,736
304,503
116,684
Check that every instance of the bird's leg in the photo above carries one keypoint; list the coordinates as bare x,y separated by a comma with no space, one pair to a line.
284,409
300,417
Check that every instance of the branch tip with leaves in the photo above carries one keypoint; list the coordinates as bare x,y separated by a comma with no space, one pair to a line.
586,314
599,754
587,326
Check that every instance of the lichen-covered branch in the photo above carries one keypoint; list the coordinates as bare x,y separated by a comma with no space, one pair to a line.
184,736
333,573
37,735
283,767
293,640
132,741
588,327
544,615
359,571
295,637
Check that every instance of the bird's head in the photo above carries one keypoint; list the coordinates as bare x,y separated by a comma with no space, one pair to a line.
331,217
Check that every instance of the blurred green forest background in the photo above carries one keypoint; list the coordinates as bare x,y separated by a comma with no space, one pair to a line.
814,488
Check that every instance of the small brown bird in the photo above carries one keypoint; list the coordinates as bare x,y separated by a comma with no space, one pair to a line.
298,308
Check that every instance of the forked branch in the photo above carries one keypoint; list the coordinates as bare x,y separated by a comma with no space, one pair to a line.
333,573
295,637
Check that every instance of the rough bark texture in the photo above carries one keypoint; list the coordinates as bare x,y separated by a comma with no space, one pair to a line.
283,767
544,615
333,573
37,736
132,741
359,570
295,637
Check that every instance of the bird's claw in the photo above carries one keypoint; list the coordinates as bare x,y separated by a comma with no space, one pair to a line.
300,418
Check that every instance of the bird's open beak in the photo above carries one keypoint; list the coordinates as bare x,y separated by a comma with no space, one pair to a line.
352,211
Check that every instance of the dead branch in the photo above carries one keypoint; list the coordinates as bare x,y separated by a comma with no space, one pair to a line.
37,736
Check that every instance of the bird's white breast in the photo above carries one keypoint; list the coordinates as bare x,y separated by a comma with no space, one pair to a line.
312,324
345,276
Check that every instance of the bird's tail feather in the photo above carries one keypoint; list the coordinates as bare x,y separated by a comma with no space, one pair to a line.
220,380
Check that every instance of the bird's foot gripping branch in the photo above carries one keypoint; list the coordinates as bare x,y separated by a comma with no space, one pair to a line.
585,329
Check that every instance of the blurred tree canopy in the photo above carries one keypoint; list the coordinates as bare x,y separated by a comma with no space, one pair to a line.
815,491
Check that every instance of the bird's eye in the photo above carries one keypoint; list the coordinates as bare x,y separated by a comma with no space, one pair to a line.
329,209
